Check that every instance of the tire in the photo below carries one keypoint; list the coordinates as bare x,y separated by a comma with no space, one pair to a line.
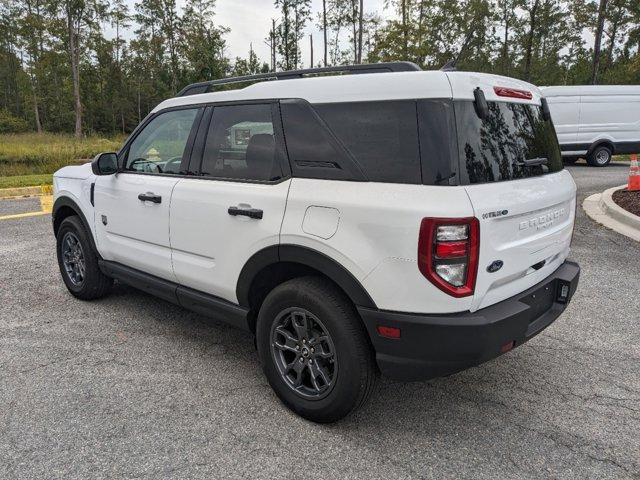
349,375
81,273
600,156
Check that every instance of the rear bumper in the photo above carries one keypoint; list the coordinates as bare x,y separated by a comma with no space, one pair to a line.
438,345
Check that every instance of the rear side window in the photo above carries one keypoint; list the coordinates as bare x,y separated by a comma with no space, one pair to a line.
313,151
241,144
381,136
497,148
438,143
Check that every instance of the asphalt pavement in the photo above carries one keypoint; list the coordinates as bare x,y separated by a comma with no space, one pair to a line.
133,387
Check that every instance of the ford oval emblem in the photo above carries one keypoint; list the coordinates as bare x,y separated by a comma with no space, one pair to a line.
495,266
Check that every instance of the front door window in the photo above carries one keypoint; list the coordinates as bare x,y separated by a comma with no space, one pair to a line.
161,145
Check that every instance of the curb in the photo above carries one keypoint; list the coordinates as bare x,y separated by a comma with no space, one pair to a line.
601,208
18,192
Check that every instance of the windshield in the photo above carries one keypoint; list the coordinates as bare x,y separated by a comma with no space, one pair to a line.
512,142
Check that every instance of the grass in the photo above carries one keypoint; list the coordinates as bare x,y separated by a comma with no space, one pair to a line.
26,180
30,153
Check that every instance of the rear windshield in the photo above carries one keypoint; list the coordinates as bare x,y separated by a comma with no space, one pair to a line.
499,147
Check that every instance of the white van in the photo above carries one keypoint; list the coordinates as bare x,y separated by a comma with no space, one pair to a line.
595,121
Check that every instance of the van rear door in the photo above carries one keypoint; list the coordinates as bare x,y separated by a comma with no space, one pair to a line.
510,165
566,117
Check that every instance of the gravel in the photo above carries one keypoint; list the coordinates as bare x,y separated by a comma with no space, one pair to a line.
131,386
628,200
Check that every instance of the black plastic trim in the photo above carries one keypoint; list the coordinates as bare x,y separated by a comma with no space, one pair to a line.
213,306
68,202
626,147
438,345
194,300
142,281
618,147
188,151
303,256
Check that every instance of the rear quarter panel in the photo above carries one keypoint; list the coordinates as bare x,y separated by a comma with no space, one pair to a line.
375,235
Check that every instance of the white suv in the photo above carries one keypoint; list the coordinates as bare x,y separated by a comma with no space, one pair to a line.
387,219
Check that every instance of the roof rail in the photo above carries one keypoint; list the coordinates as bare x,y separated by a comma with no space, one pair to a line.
204,87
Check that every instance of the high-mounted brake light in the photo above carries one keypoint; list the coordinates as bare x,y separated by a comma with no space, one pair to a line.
513,93
448,253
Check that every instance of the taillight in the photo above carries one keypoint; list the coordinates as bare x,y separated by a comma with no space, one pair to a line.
448,253
513,93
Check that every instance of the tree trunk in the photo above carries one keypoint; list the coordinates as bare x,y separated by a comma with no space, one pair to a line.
505,44
360,15
612,41
420,54
139,107
405,31
354,29
324,29
296,33
529,49
287,26
311,45
273,45
75,73
598,41
36,112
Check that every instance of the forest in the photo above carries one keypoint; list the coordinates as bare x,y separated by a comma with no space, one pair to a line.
59,72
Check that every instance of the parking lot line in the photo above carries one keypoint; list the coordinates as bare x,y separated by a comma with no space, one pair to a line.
46,204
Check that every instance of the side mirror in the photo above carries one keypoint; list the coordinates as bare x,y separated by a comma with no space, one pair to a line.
480,104
546,113
105,164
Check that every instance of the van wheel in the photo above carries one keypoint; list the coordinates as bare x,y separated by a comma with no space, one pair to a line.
79,263
314,350
600,157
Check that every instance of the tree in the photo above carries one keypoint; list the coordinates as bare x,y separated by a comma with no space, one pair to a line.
249,66
31,27
11,72
78,19
60,73
161,26
272,42
507,21
202,42
597,44
294,16
324,29
360,26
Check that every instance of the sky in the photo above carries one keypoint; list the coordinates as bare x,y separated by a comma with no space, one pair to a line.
250,22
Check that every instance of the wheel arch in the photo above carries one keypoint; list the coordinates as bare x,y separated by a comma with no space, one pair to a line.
274,265
601,142
65,207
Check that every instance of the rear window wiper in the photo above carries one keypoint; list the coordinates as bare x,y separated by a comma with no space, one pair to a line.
534,162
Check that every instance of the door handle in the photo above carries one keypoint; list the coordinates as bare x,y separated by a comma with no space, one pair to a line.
246,212
150,197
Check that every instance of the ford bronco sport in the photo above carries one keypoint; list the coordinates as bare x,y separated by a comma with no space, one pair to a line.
356,220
